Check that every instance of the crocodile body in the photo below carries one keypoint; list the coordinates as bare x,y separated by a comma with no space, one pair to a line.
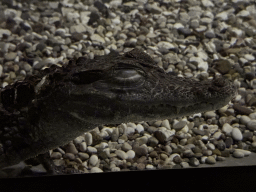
59,104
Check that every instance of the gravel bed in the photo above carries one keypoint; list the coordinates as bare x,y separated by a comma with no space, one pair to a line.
196,39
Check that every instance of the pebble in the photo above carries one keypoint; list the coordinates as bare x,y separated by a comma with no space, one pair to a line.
71,148
121,154
93,160
96,170
152,141
194,162
130,154
245,152
210,160
126,146
238,154
236,134
227,129
251,125
88,139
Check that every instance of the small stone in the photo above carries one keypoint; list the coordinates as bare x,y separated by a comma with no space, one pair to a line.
96,170
141,151
93,160
238,154
152,141
251,125
130,154
115,169
83,156
91,149
228,142
98,38
223,66
216,152
194,162
166,124
178,124
217,135
69,156
82,146
245,152
210,114
88,138
126,146
70,148
210,160
121,154
184,164
115,135
242,109
236,134
139,128
56,155
150,167
227,129
141,166
10,56
244,119
225,153
142,140
153,154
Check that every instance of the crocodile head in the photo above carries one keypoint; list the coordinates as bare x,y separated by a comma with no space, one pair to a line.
131,87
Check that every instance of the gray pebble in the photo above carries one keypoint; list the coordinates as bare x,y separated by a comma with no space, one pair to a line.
56,155
83,156
121,154
251,125
10,56
178,124
152,141
236,134
238,154
227,129
126,146
69,156
141,150
244,119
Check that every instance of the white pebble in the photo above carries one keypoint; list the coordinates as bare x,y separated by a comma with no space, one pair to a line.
91,149
149,166
236,134
245,152
130,154
93,160
244,119
115,169
238,154
88,138
139,128
96,170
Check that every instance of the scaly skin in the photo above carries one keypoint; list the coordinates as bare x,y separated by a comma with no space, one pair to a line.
50,109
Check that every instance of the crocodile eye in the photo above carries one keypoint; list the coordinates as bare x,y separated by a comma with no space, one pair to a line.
127,78
127,75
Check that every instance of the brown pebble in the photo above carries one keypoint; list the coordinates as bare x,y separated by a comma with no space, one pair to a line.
141,166
153,154
217,152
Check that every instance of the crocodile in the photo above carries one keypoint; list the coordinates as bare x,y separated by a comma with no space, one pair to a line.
50,109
